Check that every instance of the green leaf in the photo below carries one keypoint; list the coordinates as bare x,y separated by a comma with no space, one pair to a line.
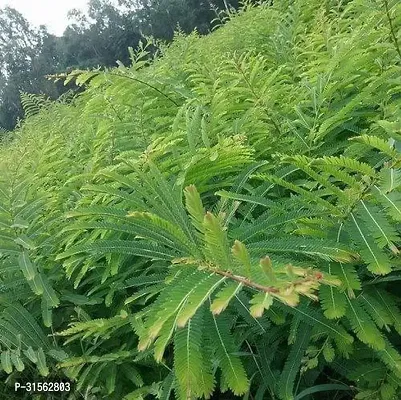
25,325
25,242
137,248
293,363
348,163
216,242
348,277
380,228
323,249
46,313
378,262
6,361
42,366
16,360
390,179
31,354
391,202
194,206
36,285
334,303
363,326
192,370
168,304
111,378
314,318
231,367
377,143
245,198
48,292
195,299
376,310
224,296
322,388
27,267
241,254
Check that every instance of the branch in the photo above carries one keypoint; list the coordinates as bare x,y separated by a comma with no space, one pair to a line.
245,281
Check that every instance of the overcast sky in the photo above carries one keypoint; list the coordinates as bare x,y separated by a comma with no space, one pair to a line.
52,13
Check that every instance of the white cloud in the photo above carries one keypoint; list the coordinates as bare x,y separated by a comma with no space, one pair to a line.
52,13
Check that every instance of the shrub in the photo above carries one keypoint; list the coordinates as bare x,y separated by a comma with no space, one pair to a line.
225,218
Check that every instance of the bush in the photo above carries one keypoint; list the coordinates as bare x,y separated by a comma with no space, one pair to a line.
225,218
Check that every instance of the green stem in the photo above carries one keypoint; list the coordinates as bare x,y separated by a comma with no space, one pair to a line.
392,30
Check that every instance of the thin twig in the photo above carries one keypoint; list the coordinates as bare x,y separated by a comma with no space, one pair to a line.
245,281
144,83
394,36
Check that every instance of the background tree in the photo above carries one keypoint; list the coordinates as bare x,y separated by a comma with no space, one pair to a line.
27,54
161,17
101,37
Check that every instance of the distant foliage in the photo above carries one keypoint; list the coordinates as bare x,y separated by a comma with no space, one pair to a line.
219,220
98,38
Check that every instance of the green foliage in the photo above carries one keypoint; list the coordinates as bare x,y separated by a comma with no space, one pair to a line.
101,37
222,221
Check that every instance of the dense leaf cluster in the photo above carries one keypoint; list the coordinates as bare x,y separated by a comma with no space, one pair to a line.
98,38
222,220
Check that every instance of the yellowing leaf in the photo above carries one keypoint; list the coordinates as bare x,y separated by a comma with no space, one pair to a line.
261,302
224,297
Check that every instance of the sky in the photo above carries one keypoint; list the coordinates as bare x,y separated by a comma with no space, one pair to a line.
52,13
